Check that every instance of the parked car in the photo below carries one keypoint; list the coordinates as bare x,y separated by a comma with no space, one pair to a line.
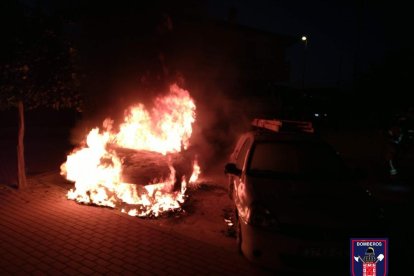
296,203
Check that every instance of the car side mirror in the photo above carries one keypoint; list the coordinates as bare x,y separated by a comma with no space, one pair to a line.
231,168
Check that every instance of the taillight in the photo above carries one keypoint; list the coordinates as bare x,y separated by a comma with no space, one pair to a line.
261,216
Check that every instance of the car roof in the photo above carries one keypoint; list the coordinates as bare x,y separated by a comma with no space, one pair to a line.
282,136
282,130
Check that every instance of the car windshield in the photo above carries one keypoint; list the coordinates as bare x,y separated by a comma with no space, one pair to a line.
298,158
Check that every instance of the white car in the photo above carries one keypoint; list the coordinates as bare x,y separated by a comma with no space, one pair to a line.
296,203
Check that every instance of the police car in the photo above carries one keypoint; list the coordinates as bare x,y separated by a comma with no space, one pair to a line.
296,203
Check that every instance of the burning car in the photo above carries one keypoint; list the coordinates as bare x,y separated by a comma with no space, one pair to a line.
138,166
295,200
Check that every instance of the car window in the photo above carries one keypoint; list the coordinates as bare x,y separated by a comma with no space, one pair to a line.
296,158
241,157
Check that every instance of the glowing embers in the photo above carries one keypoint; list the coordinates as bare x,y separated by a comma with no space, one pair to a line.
101,167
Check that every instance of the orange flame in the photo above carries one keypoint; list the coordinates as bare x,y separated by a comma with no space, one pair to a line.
96,168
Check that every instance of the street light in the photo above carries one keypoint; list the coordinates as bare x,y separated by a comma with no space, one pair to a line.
305,41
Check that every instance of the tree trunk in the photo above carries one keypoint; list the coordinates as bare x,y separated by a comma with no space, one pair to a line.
21,169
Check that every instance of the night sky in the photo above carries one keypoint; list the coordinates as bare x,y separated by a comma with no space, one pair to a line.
345,38
333,29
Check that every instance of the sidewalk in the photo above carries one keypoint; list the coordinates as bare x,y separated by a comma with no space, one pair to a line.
41,232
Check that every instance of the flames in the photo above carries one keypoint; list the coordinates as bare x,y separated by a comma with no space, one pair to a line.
96,168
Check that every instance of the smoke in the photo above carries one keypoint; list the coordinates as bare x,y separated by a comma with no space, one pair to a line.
154,48
219,122
220,119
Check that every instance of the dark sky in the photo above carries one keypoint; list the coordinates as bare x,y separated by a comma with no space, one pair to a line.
345,37
332,28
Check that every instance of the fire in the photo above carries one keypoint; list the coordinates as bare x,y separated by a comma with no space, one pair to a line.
96,167
167,129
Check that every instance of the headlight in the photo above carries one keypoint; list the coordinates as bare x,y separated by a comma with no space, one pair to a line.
261,216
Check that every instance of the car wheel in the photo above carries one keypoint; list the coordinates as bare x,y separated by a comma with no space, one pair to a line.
238,232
